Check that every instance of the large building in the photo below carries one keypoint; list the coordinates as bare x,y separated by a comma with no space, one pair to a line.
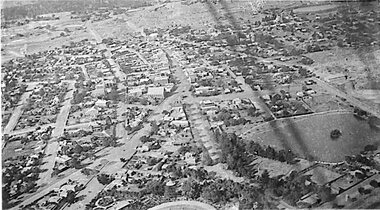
156,92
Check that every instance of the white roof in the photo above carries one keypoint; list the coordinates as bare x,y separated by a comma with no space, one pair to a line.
156,91
135,90
54,199
68,187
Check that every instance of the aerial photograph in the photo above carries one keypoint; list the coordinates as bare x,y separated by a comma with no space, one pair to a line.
190,104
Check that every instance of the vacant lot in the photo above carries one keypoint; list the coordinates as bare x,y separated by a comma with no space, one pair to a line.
310,136
15,148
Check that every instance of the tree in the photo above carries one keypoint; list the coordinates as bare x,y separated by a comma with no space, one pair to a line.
75,163
155,127
302,72
78,149
264,179
213,193
191,188
304,88
145,139
335,134
70,197
361,190
370,147
156,187
104,179
374,184
325,194
152,161
170,191
374,122
252,111
206,159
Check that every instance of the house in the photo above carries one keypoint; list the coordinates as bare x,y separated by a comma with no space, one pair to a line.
180,123
156,92
204,90
169,87
135,92
266,97
192,78
101,103
161,80
64,159
98,92
92,112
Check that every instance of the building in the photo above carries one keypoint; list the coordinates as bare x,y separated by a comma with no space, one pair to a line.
161,80
336,78
156,92
101,103
135,92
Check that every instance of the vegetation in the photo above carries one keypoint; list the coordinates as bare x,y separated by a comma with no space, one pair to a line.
239,154
104,179
336,133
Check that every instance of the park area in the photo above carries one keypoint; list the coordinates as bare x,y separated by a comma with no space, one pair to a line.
309,136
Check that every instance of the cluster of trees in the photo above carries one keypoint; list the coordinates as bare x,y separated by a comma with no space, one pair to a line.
22,181
293,187
225,116
200,184
252,111
190,148
270,153
238,154
265,39
373,183
145,139
222,191
361,158
78,96
141,100
234,154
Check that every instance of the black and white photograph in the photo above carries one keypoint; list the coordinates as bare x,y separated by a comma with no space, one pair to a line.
190,104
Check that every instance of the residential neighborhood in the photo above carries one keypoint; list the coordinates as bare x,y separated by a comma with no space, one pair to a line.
203,104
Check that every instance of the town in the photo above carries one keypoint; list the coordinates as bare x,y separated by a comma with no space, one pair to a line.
277,109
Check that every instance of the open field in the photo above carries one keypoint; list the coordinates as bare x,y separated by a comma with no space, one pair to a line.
310,136
41,35
15,148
